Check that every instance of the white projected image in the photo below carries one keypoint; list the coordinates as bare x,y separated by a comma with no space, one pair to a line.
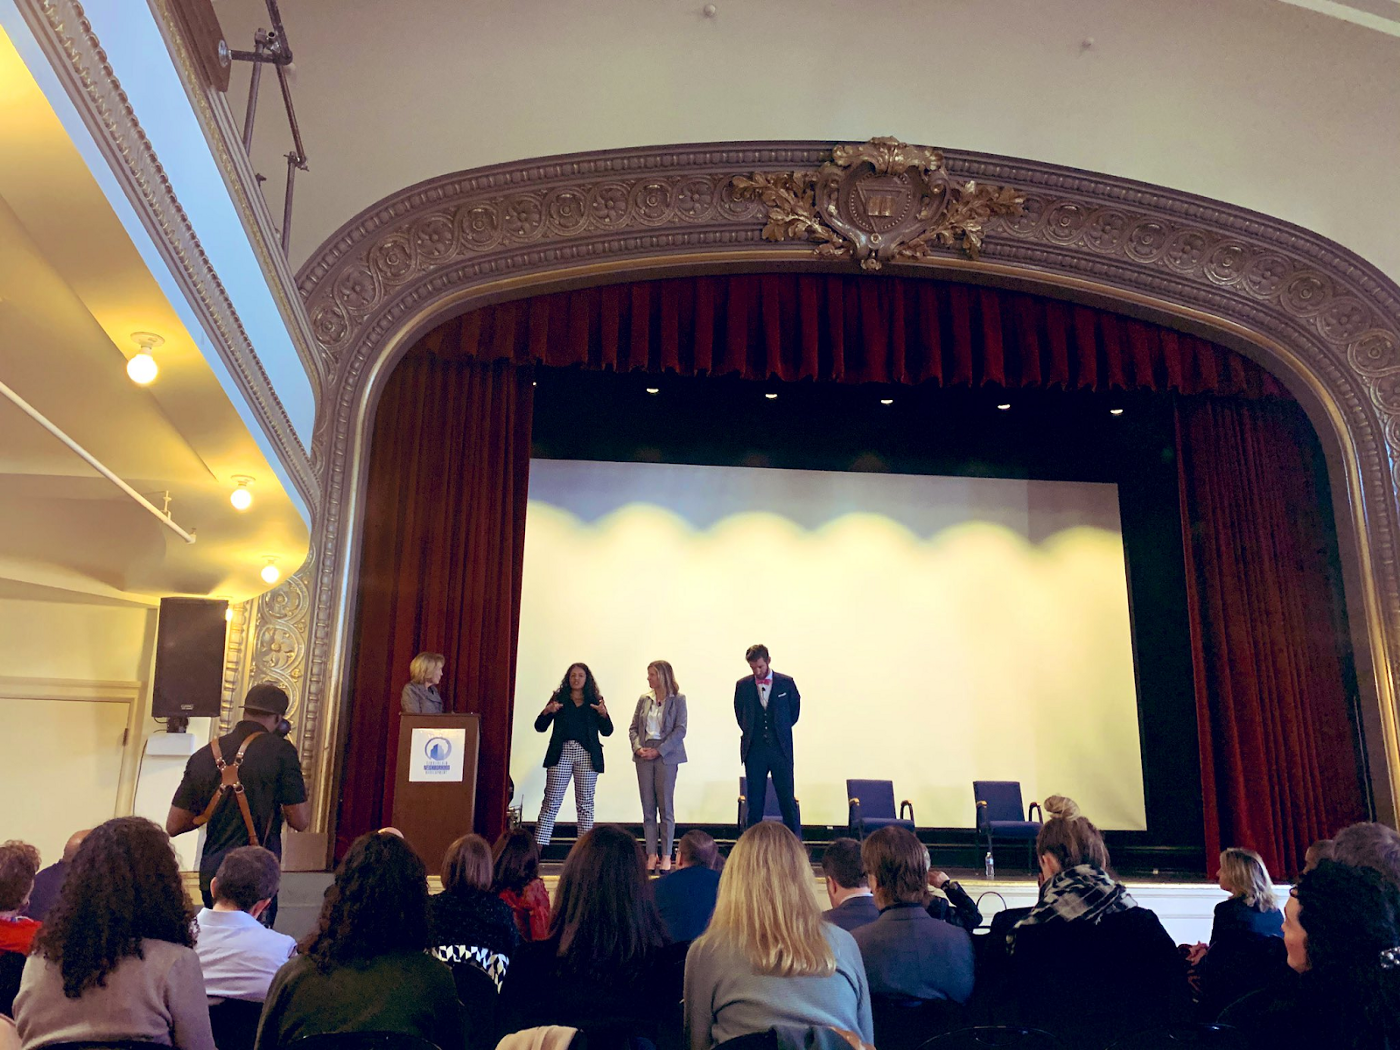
941,630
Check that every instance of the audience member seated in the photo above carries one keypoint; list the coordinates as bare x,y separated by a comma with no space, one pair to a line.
366,967
238,954
1246,950
1061,806
19,862
1342,931
908,953
952,903
847,888
686,897
1088,963
768,958
1319,851
473,930
516,880
50,880
605,968
114,961
1368,845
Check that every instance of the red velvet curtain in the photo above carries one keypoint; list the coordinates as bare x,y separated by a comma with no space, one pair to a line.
444,534
1279,760
449,464
849,329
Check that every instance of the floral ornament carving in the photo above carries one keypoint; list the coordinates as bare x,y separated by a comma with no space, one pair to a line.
878,202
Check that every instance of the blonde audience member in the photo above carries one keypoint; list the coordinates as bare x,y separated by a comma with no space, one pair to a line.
768,958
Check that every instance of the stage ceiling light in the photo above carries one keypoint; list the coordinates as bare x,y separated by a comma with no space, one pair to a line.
653,390
141,366
771,397
1004,406
241,497
1115,411
886,400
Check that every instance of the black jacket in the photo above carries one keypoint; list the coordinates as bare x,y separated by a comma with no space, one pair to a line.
588,724
784,706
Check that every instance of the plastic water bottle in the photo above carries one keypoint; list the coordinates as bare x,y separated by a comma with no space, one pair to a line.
989,866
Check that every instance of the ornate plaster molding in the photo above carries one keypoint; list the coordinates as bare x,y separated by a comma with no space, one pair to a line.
1316,314
67,39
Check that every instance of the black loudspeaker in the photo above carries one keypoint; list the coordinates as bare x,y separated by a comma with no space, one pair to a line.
189,658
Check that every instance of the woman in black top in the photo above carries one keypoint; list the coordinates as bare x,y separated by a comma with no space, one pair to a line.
605,967
579,717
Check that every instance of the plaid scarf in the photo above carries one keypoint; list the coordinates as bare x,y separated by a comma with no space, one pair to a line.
1084,892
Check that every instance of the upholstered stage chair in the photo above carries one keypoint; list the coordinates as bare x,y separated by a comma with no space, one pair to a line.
771,809
999,813
871,805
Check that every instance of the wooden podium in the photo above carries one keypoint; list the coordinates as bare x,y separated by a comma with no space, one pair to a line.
433,813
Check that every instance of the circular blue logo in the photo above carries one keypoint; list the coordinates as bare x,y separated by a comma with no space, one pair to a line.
438,749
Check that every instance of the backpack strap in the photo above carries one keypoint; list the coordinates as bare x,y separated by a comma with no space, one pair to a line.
229,784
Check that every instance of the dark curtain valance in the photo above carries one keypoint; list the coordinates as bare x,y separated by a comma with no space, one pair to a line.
857,329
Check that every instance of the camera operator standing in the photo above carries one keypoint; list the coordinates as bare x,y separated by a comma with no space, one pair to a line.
242,786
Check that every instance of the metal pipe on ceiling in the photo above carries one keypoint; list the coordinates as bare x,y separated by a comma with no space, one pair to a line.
92,461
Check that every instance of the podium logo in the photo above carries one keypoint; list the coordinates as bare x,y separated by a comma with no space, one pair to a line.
437,751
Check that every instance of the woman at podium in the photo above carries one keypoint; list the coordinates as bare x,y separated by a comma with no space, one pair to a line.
579,717
421,696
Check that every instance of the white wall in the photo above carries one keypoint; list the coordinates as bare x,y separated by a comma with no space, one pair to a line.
74,690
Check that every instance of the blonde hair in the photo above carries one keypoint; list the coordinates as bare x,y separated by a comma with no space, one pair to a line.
423,665
766,908
668,678
1245,876
1062,806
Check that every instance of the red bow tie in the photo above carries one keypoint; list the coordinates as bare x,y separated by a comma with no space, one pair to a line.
764,681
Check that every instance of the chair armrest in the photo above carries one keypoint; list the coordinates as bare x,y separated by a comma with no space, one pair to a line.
982,814
739,813
906,804
1035,806
853,815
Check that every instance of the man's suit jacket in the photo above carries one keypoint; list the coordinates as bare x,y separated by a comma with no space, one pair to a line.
911,955
686,900
784,705
853,912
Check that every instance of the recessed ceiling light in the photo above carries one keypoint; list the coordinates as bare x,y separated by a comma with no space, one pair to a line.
653,390
1115,411
241,497
771,397
886,400
1004,406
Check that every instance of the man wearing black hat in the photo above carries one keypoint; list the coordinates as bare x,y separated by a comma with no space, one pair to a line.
257,757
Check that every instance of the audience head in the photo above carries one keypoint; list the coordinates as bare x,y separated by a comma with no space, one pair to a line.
1061,806
123,886
426,669
1319,851
1243,875
467,865
248,878
697,849
578,676
896,864
1369,845
766,909
70,848
844,870
665,679
605,918
516,861
377,904
19,863
1068,842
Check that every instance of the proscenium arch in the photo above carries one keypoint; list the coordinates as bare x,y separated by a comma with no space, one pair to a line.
1322,319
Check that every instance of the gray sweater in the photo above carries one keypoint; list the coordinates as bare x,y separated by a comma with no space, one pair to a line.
724,998
159,999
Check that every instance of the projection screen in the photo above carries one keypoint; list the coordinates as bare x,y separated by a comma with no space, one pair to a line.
940,629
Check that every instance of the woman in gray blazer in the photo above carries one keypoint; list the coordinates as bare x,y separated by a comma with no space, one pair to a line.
658,748
421,696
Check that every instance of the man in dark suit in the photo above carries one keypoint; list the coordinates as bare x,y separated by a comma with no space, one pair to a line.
766,706
852,905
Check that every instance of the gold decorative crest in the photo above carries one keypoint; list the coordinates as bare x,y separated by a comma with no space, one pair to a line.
878,202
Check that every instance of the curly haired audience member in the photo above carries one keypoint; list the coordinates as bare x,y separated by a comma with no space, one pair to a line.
19,862
115,959
605,967
768,958
366,967
516,880
1128,974
1342,931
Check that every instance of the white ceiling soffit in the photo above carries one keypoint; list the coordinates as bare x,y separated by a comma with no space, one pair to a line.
1253,102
